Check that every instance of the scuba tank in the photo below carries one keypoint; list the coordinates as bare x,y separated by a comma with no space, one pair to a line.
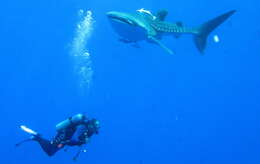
74,120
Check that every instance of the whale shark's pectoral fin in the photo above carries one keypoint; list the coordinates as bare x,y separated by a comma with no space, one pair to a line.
135,45
160,44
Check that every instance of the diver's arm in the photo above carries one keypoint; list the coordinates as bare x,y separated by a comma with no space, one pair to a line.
74,143
77,142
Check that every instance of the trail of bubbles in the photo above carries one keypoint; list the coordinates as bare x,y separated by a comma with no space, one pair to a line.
81,55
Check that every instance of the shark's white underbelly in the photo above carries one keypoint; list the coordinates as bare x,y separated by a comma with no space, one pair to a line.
129,32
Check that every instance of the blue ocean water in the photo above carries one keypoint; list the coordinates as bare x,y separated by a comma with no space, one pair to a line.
60,58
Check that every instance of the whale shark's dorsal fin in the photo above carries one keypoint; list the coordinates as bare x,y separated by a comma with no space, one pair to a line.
161,14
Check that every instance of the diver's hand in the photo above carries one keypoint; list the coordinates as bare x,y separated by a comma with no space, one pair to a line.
65,142
83,141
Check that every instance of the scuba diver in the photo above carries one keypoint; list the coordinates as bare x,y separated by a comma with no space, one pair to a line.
74,131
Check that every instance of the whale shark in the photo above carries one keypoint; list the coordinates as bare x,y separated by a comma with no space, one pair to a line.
143,25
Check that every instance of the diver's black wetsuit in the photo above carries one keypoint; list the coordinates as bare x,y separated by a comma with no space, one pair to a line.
74,135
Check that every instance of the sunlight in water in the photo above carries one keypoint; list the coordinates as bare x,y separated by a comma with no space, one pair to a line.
81,55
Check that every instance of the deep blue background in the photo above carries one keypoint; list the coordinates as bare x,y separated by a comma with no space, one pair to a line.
153,107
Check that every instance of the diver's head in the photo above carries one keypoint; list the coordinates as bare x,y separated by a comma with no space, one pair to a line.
78,119
95,124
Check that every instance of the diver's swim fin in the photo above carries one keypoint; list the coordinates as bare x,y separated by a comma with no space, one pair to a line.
28,130
23,141
160,44
34,135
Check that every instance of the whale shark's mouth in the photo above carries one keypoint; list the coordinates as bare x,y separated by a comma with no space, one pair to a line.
120,19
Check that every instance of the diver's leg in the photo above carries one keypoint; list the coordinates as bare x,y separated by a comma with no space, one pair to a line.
46,145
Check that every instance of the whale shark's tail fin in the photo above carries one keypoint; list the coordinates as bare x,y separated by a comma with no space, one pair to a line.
200,38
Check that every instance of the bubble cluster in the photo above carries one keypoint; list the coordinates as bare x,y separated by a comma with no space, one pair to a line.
80,53
216,38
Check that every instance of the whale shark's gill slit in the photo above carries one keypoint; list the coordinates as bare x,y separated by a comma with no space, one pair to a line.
80,54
